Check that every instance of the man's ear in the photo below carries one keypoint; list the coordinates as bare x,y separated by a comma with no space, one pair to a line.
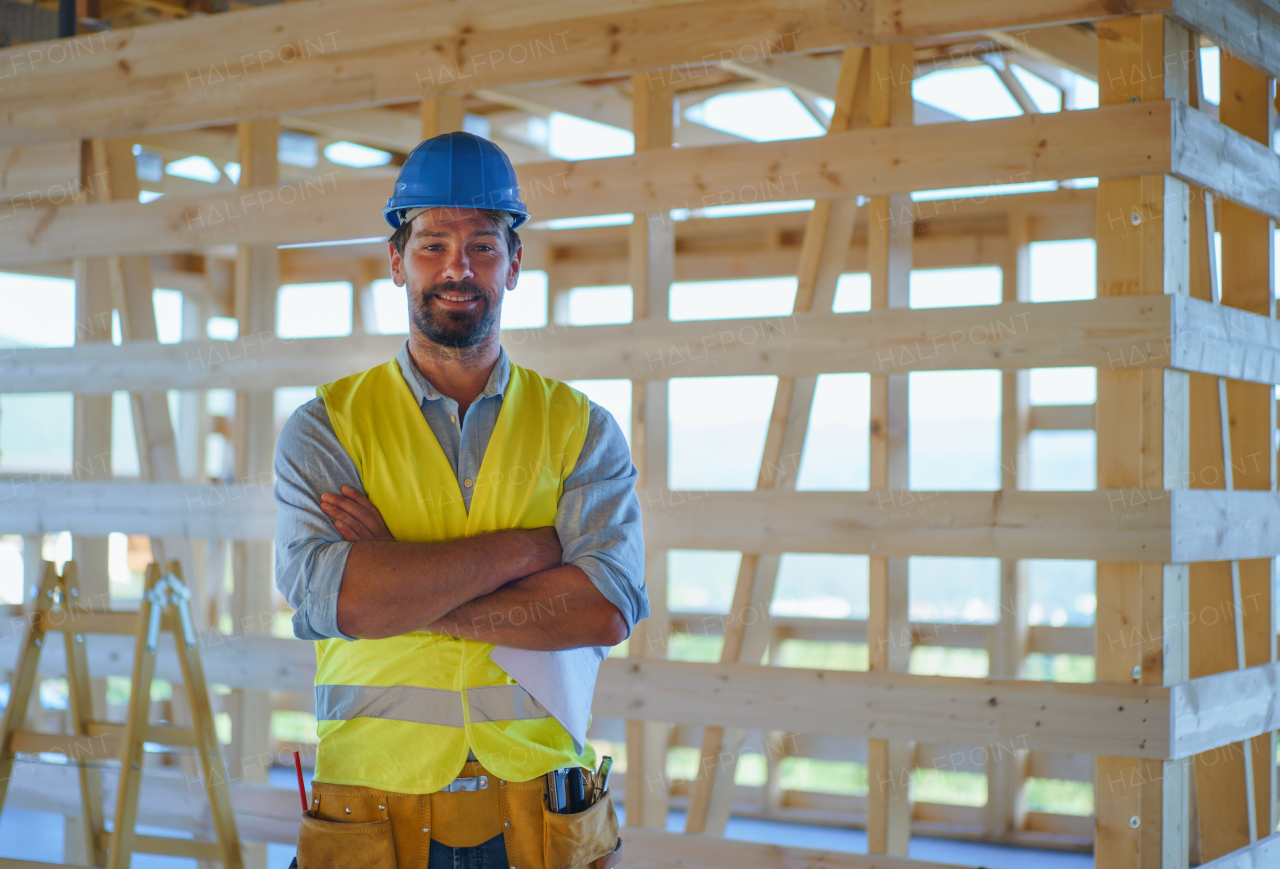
397,265
513,271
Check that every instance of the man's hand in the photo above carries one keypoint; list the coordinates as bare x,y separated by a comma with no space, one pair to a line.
354,516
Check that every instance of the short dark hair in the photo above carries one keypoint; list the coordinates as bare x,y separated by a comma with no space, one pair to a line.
400,237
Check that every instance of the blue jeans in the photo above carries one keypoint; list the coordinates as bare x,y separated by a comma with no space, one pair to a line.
490,855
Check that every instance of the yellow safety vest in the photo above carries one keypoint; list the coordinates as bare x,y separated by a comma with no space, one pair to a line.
399,714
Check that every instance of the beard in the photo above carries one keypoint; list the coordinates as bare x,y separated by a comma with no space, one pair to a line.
451,328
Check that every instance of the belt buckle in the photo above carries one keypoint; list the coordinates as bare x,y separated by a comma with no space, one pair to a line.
467,783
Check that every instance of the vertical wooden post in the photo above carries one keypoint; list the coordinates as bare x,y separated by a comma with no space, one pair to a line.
441,115
1142,238
1247,282
363,314
92,461
257,284
652,266
1006,809
746,633
131,287
890,226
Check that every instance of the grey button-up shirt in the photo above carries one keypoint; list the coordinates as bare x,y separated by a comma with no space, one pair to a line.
598,518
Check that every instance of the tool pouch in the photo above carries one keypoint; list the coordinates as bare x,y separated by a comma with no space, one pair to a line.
364,841
580,840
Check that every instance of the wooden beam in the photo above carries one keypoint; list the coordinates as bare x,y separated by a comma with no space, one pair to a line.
651,266
48,173
1062,417
1169,722
890,229
1223,778
1070,47
1126,720
1113,334
1213,155
1213,713
650,849
1244,28
257,284
1142,424
1260,855
180,74
1010,640
441,114
1121,524
826,245
858,162
1164,136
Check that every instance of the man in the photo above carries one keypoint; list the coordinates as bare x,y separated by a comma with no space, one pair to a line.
431,509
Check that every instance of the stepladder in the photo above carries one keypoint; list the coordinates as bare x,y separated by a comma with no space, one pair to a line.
96,746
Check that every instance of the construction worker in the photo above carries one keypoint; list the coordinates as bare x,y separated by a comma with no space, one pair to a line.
433,511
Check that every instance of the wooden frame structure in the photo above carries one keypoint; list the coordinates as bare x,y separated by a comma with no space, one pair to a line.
1182,716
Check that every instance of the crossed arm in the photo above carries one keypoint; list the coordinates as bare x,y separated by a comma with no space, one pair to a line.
507,587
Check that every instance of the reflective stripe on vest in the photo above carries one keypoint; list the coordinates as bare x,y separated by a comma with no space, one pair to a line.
426,705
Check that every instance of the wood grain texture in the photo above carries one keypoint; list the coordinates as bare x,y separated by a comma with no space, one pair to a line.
1112,334
333,55
868,162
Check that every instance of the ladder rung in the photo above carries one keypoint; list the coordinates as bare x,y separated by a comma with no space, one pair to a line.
162,734
103,741
89,622
198,849
72,746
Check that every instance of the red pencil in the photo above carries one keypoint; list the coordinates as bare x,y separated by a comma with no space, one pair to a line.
302,789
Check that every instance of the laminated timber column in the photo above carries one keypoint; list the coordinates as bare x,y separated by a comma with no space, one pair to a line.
747,628
92,461
1142,237
1006,770
1247,269
652,266
890,226
129,278
441,115
257,285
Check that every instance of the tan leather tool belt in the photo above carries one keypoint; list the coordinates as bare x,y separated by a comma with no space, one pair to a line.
349,825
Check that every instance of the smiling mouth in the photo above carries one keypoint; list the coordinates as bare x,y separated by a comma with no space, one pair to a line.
453,297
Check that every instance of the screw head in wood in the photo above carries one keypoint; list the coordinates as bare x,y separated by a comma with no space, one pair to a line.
1137,671
39,642
1135,218
1134,822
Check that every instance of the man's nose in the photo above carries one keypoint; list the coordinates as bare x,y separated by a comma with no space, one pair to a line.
458,267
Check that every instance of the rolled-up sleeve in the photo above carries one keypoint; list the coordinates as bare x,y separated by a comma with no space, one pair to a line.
310,556
598,518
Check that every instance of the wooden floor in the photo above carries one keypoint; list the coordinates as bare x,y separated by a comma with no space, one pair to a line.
32,835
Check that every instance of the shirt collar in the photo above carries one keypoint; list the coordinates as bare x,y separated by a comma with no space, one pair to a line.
423,390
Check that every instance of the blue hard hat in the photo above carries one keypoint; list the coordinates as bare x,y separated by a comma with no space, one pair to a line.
458,170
